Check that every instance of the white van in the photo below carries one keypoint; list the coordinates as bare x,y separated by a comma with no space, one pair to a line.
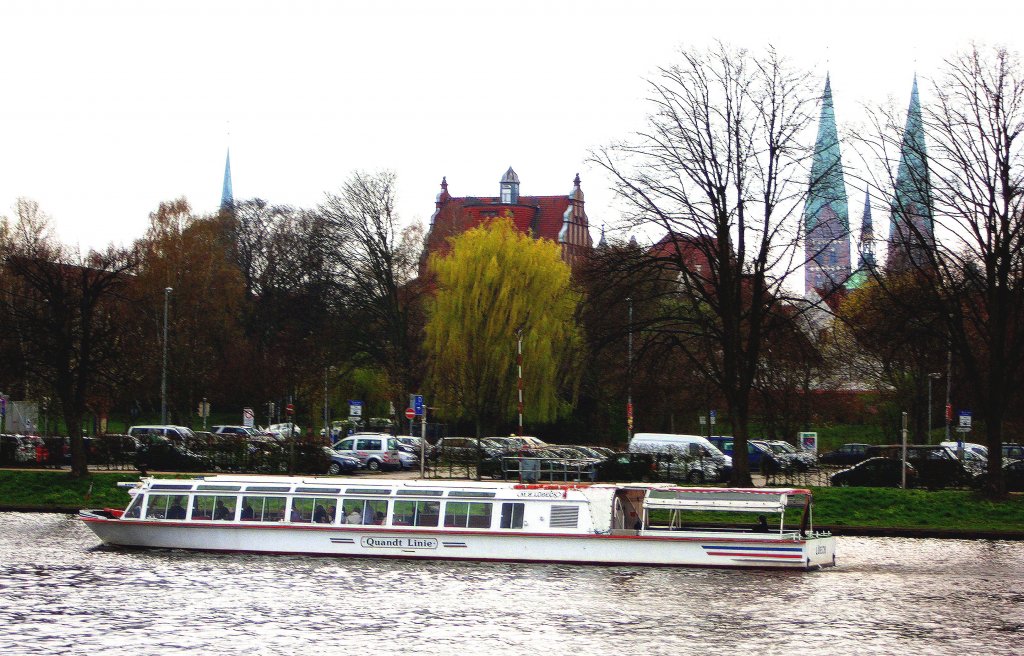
694,457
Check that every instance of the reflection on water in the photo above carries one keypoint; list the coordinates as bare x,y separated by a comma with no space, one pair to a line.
62,594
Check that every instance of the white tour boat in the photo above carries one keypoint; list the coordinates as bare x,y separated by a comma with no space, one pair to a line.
633,523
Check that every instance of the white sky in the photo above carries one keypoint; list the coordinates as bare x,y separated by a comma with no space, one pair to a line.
108,108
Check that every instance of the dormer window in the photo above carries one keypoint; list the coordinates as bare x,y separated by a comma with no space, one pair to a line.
509,188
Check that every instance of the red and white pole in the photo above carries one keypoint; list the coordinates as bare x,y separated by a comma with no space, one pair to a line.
519,365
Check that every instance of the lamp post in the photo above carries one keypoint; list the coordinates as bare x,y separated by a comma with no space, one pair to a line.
629,376
163,378
932,376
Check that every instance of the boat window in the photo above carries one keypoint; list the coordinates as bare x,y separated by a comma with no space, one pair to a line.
512,515
319,490
417,513
364,511
420,493
321,510
565,516
170,486
367,490
207,507
134,508
467,514
470,493
166,506
265,488
219,488
262,509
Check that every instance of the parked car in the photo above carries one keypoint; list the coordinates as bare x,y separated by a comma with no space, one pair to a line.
341,463
973,447
627,467
376,451
241,431
847,454
760,457
465,449
161,453
1013,451
181,434
534,465
874,472
799,460
284,431
937,466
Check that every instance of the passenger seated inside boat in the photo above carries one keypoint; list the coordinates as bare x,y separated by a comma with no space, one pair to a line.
354,517
176,511
380,518
246,511
221,511
320,515
296,516
762,524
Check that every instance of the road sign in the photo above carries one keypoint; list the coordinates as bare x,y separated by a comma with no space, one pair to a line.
410,413
965,418
713,415
703,420
204,409
963,429
355,408
247,417
417,404
289,409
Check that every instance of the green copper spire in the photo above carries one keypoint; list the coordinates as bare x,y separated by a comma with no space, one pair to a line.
912,195
828,187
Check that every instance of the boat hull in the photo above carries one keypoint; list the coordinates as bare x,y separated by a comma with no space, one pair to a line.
658,548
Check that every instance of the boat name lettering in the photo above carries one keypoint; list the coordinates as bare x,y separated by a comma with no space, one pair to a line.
820,550
546,494
398,542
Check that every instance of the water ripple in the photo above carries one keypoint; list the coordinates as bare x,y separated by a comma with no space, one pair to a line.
59,593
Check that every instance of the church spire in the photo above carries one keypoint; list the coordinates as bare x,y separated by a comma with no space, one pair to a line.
826,216
911,226
866,248
227,198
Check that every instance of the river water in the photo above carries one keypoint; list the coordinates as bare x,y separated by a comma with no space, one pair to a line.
61,593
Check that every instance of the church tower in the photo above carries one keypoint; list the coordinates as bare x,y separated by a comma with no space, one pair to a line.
227,198
826,217
866,245
912,225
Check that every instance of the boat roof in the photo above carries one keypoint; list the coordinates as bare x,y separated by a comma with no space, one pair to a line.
468,484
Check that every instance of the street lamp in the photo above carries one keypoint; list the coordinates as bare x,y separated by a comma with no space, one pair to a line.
163,378
932,376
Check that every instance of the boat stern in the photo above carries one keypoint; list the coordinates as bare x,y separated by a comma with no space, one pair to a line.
820,551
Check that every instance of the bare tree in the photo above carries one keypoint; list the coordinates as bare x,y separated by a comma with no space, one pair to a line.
375,261
973,263
722,169
65,310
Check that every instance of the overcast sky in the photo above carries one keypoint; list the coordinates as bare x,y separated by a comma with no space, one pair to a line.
108,108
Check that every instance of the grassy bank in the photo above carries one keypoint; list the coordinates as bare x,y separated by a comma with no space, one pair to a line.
956,510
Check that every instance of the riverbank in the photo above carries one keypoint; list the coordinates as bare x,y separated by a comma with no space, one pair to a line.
844,511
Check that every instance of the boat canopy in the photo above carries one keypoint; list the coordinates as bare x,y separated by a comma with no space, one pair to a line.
773,501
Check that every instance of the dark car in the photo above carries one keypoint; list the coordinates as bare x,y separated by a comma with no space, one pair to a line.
937,466
542,464
160,453
627,467
847,454
465,449
341,464
1013,451
874,472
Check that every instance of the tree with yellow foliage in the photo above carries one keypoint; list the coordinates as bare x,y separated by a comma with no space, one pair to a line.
495,282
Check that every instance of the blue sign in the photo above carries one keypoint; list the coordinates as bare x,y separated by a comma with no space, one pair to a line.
965,418
417,405
713,414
